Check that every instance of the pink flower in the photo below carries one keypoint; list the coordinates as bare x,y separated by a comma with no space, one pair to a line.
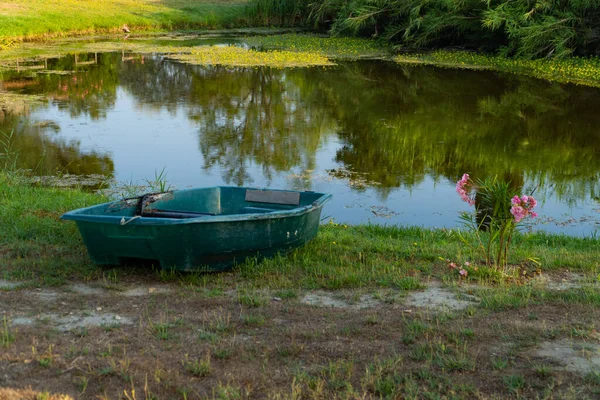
467,263
522,207
463,272
463,188
518,212
532,202
452,265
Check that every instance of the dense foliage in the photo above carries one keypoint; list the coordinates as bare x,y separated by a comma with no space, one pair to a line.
526,28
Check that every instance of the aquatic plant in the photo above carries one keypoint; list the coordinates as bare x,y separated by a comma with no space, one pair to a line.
240,57
335,47
498,211
578,70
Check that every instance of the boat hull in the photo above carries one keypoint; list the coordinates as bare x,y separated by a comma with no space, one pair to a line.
214,242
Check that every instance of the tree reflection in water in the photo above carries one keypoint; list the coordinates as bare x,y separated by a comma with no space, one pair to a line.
398,124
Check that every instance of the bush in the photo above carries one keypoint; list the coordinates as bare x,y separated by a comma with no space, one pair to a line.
525,28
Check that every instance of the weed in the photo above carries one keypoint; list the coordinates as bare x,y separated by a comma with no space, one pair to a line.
217,321
227,392
421,352
467,333
453,360
514,383
160,183
8,153
350,331
293,350
414,329
593,378
542,370
383,377
252,299
82,383
161,329
197,367
253,320
208,336
223,352
106,371
108,352
46,361
499,363
6,335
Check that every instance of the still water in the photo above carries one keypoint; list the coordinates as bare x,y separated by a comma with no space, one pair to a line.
388,141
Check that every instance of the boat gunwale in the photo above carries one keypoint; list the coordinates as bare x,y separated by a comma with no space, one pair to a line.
79,215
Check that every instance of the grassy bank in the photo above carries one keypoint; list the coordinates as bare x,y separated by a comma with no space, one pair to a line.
345,317
35,19
37,245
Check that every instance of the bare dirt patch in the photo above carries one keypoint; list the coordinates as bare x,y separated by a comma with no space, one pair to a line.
563,281
574,356
86,290
68,322
326,299
145,291
4,284
437,298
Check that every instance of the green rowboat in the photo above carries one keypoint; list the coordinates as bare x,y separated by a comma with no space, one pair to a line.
199,229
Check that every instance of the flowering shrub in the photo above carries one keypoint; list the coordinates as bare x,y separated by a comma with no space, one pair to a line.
463,188
522,206
498,211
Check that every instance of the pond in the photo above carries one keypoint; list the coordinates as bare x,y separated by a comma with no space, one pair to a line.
389,141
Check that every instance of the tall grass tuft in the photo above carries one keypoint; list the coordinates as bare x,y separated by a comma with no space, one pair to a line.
278,12
8,153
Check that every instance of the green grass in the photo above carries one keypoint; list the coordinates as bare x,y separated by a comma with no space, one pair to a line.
585,71
34,243
6,335
37,246
198,367
30,19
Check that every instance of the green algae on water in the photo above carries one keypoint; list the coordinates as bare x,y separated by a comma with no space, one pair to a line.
240,57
